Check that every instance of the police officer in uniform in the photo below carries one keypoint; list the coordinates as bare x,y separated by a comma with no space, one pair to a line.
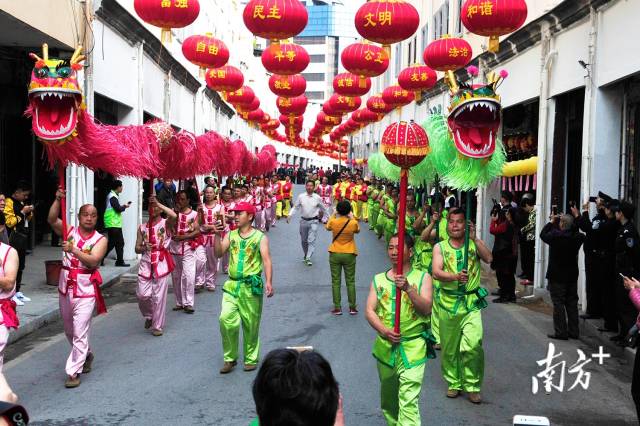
594,253
627,263
609,232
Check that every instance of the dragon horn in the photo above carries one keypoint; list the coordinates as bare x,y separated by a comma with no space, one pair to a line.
35,57
77,55
45,51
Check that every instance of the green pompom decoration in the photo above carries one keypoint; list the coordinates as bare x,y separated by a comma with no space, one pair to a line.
456,170
384,169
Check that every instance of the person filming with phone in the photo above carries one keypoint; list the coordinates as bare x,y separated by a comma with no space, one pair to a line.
564,242
113,222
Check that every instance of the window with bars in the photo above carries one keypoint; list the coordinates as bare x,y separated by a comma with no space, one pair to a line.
459,20
313,76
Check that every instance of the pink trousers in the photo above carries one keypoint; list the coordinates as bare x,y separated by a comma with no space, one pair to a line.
184,278
76,315
201,266
259,221
4,338
211,269
152,299
274,218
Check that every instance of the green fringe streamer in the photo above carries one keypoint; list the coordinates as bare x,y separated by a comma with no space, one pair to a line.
384,169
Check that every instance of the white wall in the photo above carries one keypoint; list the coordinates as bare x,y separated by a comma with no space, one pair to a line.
523,82
572,46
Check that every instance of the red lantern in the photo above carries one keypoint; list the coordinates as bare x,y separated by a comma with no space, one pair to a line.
405,144
225,79
365,59
291,121
275,19
325,120
292,106
493,18
242,96
396,96
270,125
330,111
285,59
345,104
448,54
255,116
348,84
205,51
376,104
167,14
248,107
417,78
364,116
288,86
387,21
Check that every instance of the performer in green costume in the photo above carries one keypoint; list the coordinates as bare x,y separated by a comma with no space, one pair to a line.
459,301
390,210
374,205
382,217
401,356
242,293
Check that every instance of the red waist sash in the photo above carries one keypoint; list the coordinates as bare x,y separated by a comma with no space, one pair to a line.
9,315
96,280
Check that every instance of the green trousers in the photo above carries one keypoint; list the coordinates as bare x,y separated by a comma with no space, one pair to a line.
462,357
400,392
373,217
338,262
435,311
381,223
245,310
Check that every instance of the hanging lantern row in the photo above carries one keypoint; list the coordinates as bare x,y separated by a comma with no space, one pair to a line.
167,14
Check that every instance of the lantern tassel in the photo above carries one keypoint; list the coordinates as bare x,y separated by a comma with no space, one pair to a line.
203,72
451,81
387,48
165,36
494,44
363,82
418,95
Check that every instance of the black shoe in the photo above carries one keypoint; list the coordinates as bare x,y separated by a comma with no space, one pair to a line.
500,300
589,316
574,337
122,264
608,330
512,299
556,337
622,343
616,338
495,293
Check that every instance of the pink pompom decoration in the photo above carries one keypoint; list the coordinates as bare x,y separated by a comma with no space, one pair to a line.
472,70
504,73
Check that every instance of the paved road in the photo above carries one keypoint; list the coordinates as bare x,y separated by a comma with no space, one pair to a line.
142,380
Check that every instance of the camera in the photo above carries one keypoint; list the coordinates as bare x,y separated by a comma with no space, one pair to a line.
498,210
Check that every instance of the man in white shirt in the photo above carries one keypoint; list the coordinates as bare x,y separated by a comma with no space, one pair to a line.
311,212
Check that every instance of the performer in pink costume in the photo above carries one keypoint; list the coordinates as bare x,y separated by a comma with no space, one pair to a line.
325,192
211,212
268,204
275,189
79,285
156,264
184,242
229,223
8,272
257,195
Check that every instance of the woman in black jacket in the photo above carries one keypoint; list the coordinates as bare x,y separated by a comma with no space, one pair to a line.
505,253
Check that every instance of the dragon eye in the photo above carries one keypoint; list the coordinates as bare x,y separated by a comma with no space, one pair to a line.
41,72
64,72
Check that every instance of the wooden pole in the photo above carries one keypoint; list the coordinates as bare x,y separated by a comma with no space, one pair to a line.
63,201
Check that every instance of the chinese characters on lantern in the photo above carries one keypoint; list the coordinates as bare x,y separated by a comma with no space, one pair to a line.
454,52
555,368
181,4
259,12
484,8
374,56
382,18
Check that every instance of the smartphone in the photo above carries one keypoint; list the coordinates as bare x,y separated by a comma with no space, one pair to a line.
592,199
554,210
623,277
572,203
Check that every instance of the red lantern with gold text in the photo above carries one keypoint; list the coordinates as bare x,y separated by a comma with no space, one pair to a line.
270,125
205,51
224,79
493,18
348,84
405,145
288,86
387,21
330,111
292,106
376,104
167,14
417,78
255,116
248,107
345,104
365,116
397,97
448,54
285,59
275,19
325,120
365,59
244,96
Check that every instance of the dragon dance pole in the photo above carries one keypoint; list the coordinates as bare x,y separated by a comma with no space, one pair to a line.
402,213
465,262
151,193
63,201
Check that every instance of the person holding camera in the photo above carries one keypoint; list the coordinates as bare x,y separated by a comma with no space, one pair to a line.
505,252
528,239
17,215
564,241
460,301
113,222
156,265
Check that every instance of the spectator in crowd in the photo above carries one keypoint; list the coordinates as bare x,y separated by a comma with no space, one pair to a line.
296,388
113,222
505,252
627,252
17,215
311,211
342,255
528,239
166,194
449,198
564,242
506,200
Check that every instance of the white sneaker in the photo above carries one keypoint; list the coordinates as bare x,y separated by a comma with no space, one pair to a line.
18,301
22,297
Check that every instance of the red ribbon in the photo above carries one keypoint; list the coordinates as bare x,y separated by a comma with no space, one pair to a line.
9,315
96,280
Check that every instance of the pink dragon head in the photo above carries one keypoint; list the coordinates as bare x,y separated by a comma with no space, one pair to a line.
55,96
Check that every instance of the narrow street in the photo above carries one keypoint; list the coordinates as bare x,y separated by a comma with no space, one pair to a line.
142,380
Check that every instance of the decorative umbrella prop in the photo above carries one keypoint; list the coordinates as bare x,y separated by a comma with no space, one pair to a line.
405,145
